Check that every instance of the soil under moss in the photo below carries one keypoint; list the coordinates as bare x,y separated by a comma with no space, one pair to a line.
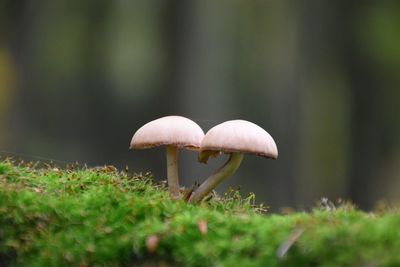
103,217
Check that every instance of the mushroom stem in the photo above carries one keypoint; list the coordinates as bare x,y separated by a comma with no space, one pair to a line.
217,177
172,171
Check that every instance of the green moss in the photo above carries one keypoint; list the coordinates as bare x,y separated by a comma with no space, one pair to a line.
101,217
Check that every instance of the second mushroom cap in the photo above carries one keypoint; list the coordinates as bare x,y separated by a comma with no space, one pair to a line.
238,136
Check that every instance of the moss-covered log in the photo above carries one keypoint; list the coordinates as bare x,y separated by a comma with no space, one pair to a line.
102,217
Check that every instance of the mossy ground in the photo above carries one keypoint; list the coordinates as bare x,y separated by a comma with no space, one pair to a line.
102,217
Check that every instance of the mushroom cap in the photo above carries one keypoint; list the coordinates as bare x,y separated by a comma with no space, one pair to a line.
171,130
238,136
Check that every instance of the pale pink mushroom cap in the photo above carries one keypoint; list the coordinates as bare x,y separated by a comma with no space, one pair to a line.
238,136
171,130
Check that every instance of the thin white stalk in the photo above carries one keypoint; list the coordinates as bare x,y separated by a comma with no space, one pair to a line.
216,178
172,171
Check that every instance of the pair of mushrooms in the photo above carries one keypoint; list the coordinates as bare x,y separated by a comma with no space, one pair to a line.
234,137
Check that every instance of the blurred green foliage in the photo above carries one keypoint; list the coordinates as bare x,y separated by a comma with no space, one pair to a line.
78,77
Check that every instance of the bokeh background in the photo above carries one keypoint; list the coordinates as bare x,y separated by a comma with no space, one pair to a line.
77,78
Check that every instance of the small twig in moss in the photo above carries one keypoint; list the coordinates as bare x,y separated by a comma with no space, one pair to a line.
285,246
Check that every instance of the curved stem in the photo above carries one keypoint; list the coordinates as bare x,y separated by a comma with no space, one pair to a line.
172,171
216,178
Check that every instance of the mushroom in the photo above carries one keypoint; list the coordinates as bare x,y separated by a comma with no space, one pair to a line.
174,132
234,137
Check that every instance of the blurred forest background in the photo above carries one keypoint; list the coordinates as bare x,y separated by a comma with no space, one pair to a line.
77,78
